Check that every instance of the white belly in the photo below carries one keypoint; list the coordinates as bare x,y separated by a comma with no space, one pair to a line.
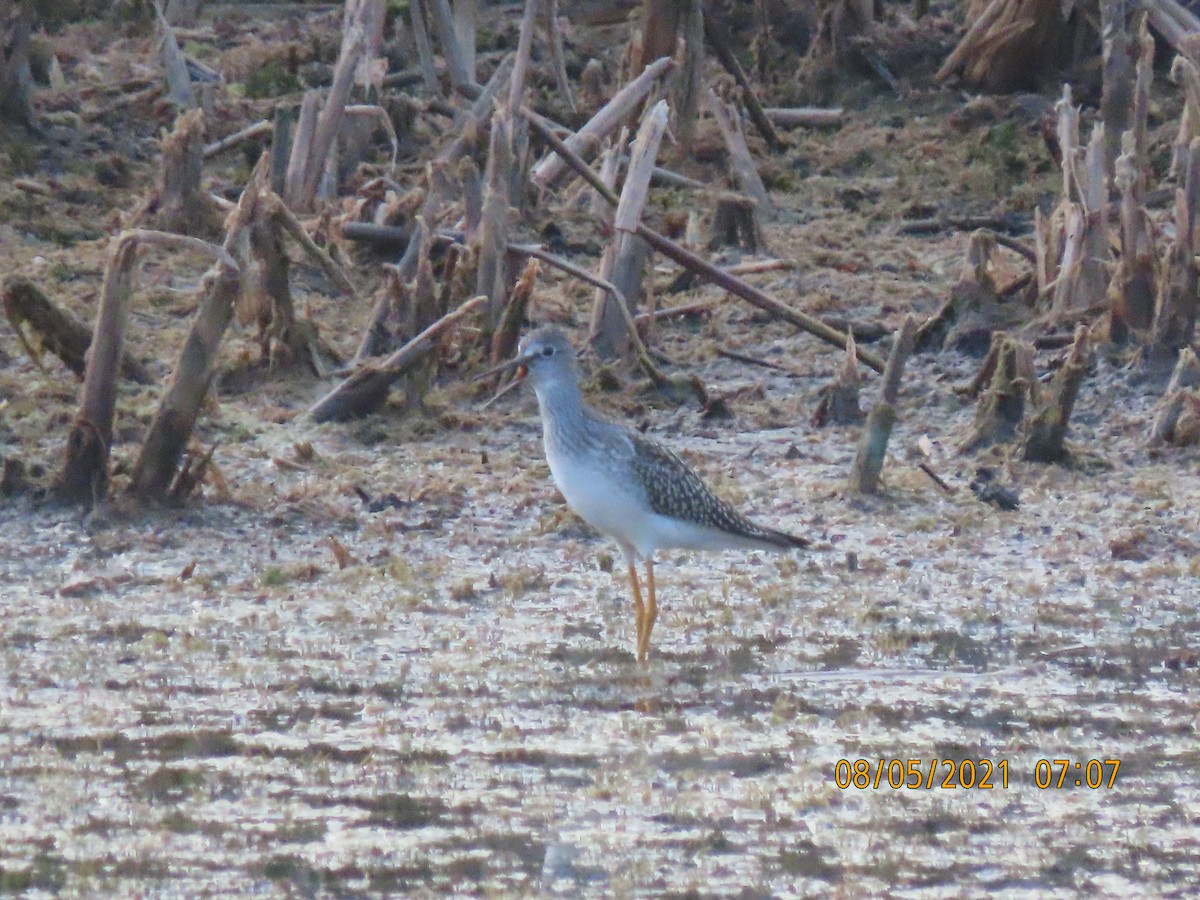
624,516
611,511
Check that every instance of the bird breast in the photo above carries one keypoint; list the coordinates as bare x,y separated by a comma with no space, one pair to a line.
610,503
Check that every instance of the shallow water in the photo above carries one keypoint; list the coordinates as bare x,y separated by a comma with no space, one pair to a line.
459,709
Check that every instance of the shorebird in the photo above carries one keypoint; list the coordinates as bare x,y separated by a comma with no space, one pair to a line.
623,484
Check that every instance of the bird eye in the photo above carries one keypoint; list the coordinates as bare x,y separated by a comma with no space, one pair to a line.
547,352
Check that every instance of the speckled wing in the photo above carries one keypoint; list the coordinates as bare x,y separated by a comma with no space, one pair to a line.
674,489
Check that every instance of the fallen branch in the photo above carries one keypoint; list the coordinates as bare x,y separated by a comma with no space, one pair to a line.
604,122
792,117
249,133
367,389
57,331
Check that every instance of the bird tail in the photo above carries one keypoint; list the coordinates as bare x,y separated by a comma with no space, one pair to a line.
783,540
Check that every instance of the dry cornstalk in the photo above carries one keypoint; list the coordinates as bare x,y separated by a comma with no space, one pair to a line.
734,224
179,82
975,308
1181,400
1097,250
838,401
457,66
1186,73
1010,42
868,462
1178,25
420,31
466,13
84,476
604,122
625,260
1116,101
686,90
508,331
316,132
158,461
249,133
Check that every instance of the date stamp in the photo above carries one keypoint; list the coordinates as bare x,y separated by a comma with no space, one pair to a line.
972,774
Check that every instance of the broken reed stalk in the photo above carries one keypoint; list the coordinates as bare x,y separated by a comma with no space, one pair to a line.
1002,408
696,264
466,14
716,33
1176,306
84,475
169,432
367,389
1046,431
491,240
868,462
740,160
625,259
180,203
508,330
603,123
457,66
57,330
16,77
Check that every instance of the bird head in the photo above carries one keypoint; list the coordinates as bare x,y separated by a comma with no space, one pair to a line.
545,355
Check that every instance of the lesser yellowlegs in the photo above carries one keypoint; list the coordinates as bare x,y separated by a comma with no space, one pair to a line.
624,485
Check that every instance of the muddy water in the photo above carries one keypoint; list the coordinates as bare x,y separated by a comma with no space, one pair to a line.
458,708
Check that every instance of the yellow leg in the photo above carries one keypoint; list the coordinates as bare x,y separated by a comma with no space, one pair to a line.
651,612
641,607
